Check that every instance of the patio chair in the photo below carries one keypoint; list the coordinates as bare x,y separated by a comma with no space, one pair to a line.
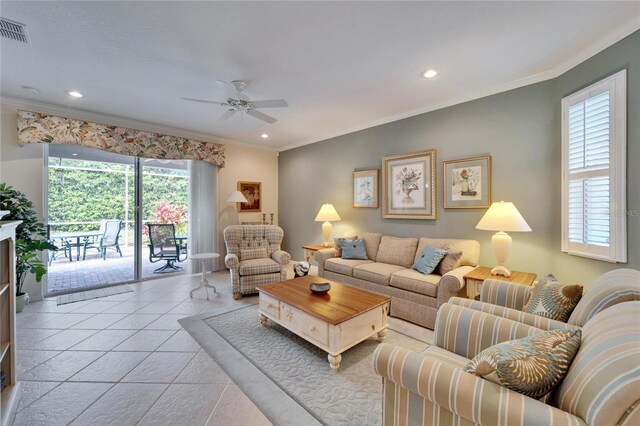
108,240
164,246
66,250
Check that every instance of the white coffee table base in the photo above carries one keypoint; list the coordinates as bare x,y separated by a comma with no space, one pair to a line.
204,283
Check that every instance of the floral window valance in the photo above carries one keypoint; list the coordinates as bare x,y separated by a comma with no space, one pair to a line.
35,127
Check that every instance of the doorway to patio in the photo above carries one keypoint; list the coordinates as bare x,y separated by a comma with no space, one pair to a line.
98,205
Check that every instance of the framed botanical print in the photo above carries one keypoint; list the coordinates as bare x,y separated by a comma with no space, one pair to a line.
252,191
467,183
365,189
409,186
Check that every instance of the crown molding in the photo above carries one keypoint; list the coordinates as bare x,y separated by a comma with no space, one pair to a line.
571,62
115,120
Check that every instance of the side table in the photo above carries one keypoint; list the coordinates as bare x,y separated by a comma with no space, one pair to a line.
474,279
311,249
203,257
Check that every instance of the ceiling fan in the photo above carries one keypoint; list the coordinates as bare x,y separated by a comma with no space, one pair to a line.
238,102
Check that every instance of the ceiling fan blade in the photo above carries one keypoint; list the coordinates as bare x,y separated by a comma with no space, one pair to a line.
204,101
271,103
261,116
228,89
227,115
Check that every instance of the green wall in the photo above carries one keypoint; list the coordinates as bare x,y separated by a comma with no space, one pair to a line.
520,129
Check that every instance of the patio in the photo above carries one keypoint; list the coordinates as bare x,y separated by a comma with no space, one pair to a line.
65,276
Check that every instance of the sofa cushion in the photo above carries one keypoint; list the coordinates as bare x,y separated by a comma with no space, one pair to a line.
353,249
450,261
337,247
258,253
397,251
532,365
343,266
470,248
258,266
412,280
551,299
371,244
379,273
429,259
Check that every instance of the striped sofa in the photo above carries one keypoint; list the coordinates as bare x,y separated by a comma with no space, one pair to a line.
602,386
254,270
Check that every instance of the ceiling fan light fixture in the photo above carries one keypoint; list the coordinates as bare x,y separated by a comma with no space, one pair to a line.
430,73
264,136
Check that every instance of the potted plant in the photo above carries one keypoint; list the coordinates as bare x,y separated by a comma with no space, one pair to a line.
31,238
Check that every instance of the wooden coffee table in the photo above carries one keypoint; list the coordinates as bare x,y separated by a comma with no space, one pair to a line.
334,322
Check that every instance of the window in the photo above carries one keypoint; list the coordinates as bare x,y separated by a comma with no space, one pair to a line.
594,171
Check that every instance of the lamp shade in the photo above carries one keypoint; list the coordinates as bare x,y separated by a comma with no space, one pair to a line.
503,217
327,213
237,197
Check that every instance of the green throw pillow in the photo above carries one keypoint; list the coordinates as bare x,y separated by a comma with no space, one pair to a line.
533,365
550,299
429,259
353,249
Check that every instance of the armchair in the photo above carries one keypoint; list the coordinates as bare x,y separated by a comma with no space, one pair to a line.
601,386
254,257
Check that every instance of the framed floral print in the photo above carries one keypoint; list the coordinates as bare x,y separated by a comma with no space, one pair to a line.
409,186
252,191
365,189
467,183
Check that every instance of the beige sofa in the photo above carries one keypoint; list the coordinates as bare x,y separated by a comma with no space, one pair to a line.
414,297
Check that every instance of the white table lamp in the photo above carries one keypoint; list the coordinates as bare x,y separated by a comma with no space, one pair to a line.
327,214
237,197
502,217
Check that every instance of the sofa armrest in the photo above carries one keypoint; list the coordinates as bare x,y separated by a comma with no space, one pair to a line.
452,283
505,294
468,332
321,256
231,261
281,257
512,314
450,388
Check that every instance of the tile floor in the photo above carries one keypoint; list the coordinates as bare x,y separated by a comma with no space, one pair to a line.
125,360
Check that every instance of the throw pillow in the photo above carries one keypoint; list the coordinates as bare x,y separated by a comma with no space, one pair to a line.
429,259
450,261
353,249
337,245
550,299
533,365
249,254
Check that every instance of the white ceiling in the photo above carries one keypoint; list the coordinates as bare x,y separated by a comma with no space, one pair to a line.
342,66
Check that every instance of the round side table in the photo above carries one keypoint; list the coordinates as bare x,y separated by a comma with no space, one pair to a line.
203,257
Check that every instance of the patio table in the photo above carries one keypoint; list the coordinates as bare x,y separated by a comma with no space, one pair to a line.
84,235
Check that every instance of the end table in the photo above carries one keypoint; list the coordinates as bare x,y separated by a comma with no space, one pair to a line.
311,249
474,279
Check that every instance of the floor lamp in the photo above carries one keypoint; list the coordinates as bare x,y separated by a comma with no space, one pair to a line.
237,197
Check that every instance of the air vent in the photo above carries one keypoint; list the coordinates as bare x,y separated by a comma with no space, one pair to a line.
13,30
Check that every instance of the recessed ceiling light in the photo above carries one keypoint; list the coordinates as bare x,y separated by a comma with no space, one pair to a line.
74,154
264,136
74,93
30,89
430,73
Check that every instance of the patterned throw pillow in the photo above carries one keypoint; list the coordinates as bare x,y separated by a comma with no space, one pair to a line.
353,249
449,262
429,259
249,254
550,299
337,247
533,365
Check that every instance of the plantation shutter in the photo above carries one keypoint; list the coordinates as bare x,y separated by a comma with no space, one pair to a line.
593,187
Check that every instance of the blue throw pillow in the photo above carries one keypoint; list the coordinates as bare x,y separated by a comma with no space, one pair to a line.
353,249
429,259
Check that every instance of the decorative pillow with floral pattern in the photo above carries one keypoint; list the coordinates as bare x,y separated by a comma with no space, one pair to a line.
551,299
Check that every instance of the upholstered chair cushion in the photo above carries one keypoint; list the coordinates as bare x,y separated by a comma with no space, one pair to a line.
250,254
551,299
337,245
397,251
429,259
531,365
450,261
353,249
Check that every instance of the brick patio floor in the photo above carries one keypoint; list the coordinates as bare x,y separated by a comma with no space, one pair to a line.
65,276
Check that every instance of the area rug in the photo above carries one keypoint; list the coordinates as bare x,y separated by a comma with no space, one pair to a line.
93,294
297,368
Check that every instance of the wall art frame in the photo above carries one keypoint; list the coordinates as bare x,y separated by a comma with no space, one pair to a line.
253,193
366,189
467,183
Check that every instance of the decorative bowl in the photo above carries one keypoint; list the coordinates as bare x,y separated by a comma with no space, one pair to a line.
319,288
